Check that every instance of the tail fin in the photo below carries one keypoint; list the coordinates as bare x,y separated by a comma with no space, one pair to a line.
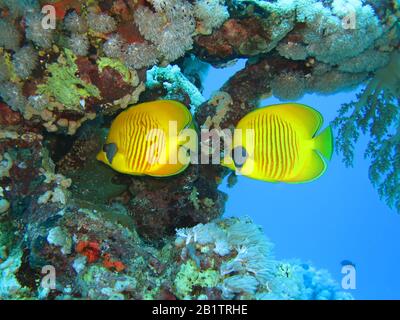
323,143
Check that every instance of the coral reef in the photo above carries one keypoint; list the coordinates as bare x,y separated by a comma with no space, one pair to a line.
113,236
232,259
96,248
51,80
98,255
159,206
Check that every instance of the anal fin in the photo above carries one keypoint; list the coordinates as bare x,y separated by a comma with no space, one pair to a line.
314,166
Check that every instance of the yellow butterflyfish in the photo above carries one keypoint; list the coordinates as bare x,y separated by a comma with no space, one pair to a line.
140,141
280,143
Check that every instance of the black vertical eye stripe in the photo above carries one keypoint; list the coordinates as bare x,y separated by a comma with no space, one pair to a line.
110,149
239,156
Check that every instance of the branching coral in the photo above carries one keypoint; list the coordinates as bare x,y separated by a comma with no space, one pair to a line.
376,113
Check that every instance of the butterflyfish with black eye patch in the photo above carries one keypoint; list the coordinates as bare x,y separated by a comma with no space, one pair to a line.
145,139
281,143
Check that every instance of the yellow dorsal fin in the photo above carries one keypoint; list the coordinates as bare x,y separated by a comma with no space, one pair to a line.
299,115
164,111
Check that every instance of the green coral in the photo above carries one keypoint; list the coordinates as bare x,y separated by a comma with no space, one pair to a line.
114,64
190,276
194,198
376,113
7,71
64,84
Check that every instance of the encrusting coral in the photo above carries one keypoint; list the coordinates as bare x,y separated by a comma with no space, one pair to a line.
113,236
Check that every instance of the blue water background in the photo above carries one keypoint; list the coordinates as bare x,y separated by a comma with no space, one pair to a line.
337,217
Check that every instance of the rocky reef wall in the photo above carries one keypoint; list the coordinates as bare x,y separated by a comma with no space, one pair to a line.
109,235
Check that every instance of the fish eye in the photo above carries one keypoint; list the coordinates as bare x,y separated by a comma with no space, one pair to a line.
239,156
110,149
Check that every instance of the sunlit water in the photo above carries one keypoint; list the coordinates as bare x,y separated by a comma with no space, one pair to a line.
337,217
